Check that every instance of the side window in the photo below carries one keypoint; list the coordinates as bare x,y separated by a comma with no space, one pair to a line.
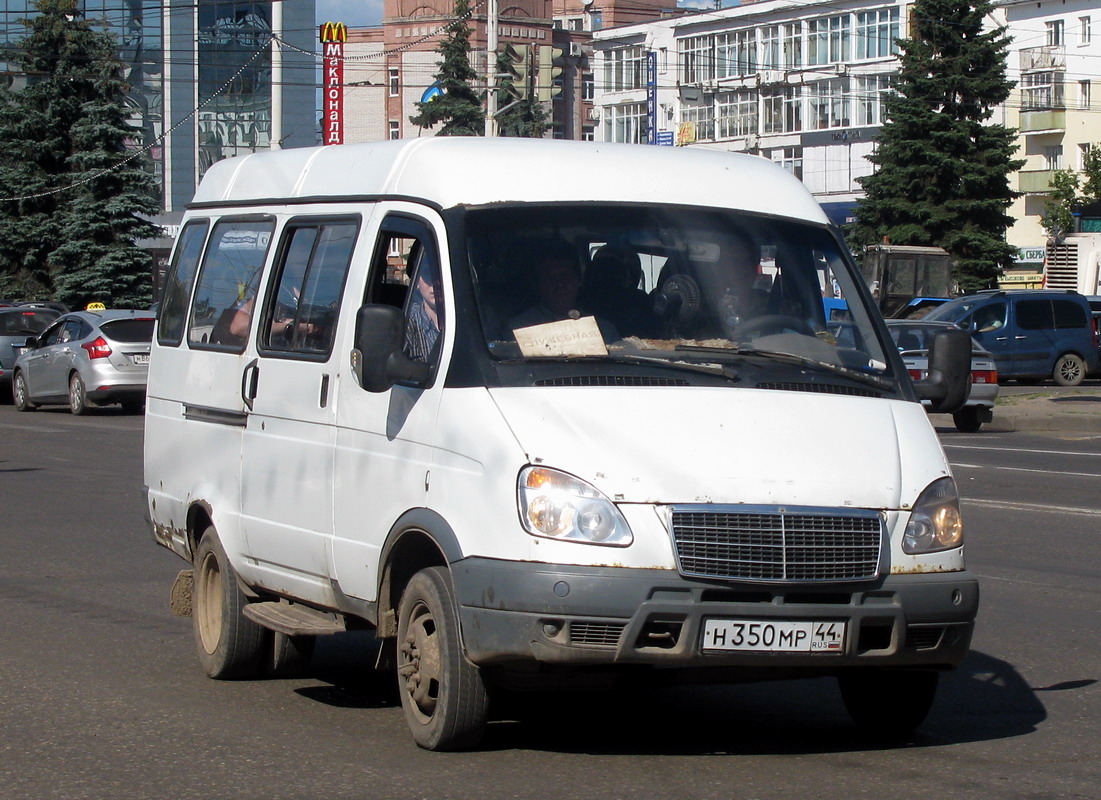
1068,314
989,318
302,308
221,313
53,335
406,274
178,283
1034,315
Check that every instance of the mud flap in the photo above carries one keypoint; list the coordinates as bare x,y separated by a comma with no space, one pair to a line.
180,597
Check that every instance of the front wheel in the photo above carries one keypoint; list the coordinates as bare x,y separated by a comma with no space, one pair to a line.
443,694
968,419
1069,370
888,703
78,395
20,395
230,645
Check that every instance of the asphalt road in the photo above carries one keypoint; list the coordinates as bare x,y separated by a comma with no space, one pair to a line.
101,695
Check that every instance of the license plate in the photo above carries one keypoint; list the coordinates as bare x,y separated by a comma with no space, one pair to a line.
140,358
773,636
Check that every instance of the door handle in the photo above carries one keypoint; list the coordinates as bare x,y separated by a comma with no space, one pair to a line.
250,379
1020,337
1001,338
323,400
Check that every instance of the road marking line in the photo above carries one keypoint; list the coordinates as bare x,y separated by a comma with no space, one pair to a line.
1025,469
1021,450
1090,512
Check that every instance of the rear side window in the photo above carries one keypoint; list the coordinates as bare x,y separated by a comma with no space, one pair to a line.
302,309
1034,315
1068,314
229,279
26,323
129,330
177,284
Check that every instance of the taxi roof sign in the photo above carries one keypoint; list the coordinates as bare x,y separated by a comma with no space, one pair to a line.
95,307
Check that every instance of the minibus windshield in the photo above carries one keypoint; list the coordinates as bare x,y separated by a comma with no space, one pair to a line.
691,286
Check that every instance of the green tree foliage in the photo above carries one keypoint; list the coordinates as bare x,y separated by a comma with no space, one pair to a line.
75,192
943,170
459,107
1068,190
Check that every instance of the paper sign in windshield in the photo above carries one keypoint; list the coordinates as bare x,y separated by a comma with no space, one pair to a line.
570,337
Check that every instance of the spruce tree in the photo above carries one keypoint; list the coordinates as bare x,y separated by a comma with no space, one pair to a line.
943,169
73,190
458,107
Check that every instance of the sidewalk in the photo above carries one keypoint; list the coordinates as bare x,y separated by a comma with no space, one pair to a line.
1075,411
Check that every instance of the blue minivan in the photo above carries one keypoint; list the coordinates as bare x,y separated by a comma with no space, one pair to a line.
1032,334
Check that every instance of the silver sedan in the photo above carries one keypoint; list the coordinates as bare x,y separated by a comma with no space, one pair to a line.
912,339
86,358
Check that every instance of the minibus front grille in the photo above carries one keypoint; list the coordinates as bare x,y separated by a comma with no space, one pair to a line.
611,380
779,545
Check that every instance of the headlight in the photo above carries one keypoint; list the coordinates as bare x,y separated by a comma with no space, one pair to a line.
935,521
559,506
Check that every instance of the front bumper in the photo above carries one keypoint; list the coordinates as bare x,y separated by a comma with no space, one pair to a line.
512,613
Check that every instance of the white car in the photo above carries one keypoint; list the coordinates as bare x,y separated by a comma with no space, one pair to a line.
912,339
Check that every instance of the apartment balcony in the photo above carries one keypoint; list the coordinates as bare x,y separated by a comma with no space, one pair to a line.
1048,58
1050,120
1035,181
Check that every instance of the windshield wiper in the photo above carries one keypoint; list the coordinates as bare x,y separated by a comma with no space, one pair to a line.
714,370
803,361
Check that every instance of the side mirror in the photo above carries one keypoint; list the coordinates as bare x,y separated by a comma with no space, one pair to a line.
948,383
379,360
31,343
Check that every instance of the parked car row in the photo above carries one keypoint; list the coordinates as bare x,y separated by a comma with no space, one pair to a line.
83,359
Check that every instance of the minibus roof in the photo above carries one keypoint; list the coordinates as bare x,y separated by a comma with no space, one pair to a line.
449,171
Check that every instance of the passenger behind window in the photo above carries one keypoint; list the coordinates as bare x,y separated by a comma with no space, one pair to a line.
611,290
424,317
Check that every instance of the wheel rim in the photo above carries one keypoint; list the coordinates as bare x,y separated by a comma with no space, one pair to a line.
420,662
20,390
76,393
208,602
1069,369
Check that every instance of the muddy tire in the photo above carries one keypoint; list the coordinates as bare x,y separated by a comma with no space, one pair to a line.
78,395
888,703
19,394
1069,370
229,644
968,419
443,695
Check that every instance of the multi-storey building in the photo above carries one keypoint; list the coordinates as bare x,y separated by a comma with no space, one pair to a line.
388,69
801,85
201,77
1054,58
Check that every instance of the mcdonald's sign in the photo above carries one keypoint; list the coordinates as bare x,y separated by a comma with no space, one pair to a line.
333,37
334,32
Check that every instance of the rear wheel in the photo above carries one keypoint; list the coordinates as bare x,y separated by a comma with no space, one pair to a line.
968,419
78,395
443,694
229,644
888,703
19,393
1069,370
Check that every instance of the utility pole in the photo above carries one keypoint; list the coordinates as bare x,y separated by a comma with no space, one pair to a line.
276,75
491,68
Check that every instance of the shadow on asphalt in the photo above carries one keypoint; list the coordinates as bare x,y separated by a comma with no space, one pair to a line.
985,699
